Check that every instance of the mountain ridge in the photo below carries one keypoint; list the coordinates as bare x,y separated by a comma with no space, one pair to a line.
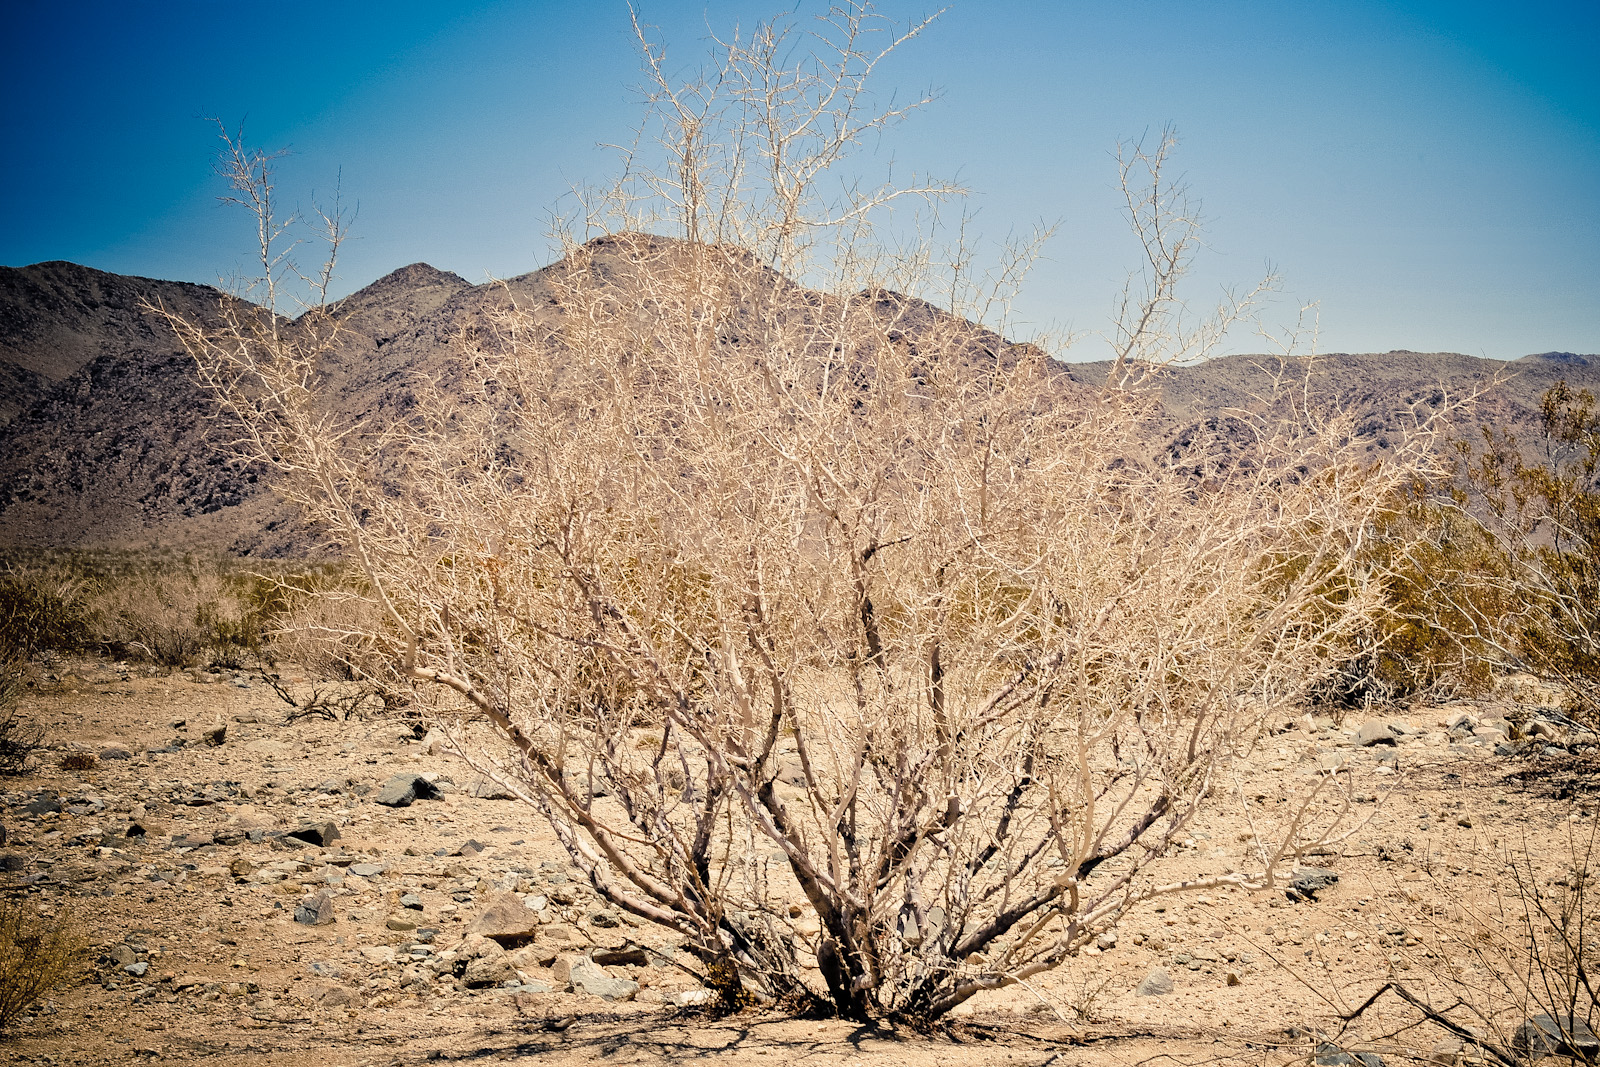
106,438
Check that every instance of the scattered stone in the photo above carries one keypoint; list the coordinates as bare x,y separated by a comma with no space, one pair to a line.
1330,1055
194,840
487,971
1561,1035
411,901
115,752
43,804
506,920
1375,733
335,996
319,834
1232,977
216,735
136,969
469,849
627,955
366,870
693,998
399,925
404,788
584,976
1158,983
315,910
1309,881
488,789
534,955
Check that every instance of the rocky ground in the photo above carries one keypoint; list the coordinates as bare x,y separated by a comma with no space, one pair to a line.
262,891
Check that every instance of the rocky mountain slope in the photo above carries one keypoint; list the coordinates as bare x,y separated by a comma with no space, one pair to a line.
106,438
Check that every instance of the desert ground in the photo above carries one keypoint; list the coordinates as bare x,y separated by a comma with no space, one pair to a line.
174,854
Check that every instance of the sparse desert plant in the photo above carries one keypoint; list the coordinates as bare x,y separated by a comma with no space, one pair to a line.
174,612
37,953
924,634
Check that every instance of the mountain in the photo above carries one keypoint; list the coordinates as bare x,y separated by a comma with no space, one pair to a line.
57,317
107,438
112,440
1388,392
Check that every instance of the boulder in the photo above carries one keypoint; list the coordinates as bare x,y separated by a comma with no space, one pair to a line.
404,788
1375,733
506,920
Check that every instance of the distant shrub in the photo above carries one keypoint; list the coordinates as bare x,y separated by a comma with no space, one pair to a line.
45,607
1446,594
18,738
1538,502
37,953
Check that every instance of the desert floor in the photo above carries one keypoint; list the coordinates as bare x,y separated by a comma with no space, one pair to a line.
229,976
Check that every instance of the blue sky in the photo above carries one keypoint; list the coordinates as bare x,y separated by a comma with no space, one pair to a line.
1428,172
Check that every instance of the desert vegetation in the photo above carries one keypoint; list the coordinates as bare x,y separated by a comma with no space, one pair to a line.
834,629
781,584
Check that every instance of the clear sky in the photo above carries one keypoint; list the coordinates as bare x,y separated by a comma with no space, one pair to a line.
1428,171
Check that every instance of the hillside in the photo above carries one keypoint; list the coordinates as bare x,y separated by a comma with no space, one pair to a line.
107,439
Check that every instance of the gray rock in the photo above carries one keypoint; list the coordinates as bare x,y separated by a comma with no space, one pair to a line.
136,969
585,976
1375,733
315,910
487,789
1158,983
1309,881
1561,1035
43,804
1330,1055
404,788
366,870
411,901
122,955
115,752
320,834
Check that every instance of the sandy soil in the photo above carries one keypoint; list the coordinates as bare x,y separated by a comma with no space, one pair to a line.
230,977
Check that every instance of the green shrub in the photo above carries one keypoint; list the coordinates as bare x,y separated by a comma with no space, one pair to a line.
37,953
